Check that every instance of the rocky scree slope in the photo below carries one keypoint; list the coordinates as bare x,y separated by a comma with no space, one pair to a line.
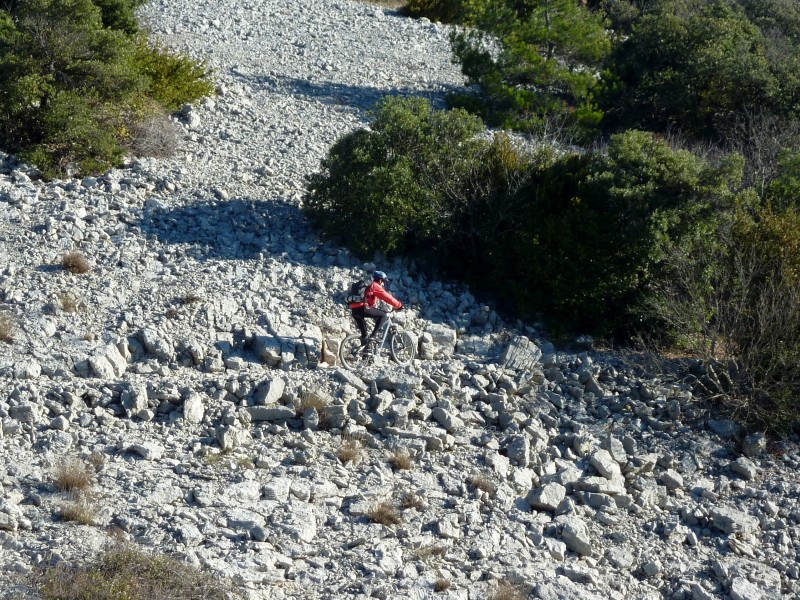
194,368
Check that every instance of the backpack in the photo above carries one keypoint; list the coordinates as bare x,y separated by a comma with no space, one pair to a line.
357,291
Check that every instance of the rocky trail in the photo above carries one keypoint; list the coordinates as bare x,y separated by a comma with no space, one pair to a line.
194,367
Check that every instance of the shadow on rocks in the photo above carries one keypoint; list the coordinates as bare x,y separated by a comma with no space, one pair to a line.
237,229
363,98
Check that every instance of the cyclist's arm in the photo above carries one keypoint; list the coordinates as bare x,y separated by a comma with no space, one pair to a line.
387,297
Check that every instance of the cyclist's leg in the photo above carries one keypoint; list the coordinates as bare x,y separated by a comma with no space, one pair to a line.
380,316
358,317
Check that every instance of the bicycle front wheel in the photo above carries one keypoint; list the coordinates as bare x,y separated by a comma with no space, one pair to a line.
402,348
350,352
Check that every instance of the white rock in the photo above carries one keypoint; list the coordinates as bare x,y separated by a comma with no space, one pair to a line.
193,409
547,497
148,450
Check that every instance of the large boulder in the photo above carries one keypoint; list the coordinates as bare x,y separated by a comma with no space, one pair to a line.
442,339
521,354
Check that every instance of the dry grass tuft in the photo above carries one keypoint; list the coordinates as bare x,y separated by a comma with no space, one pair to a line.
483,483
72,474
75,263
126,572
156,136
412,500
70,303
385,513
349,451
98,460
401,460
7,327
426,553
509,591
190,298
80,507
313,400
441,585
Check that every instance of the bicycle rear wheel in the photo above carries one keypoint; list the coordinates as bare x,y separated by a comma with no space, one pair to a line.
350,352
402,348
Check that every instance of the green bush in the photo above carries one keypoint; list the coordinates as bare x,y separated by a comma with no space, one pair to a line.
700,67
596,226
128,573
446,11
732,299
576,237
545,70
394,187
72,90
119,14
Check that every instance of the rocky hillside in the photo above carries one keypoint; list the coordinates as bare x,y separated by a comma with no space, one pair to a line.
193,368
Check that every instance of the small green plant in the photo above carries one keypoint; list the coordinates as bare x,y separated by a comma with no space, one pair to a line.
72,474
401,460
213,458
129,573
75,263
385,513
80,507
7,327
349,451
245,462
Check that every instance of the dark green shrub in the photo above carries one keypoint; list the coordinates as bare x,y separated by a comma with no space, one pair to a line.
700,67
732,299
72,90
119,14
129,573
77,134
393,188
596,226
577,237
546,67
446,11
784,190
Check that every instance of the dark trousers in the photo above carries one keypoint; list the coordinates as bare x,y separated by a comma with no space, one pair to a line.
363,313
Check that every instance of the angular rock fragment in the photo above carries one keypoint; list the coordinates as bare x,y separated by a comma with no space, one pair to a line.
547,497
730,520
575,534
521,354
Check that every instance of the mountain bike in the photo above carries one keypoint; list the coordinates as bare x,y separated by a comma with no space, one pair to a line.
399,344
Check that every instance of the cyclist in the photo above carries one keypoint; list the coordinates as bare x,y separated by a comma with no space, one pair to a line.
368,309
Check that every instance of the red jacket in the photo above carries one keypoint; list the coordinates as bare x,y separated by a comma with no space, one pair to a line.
374,293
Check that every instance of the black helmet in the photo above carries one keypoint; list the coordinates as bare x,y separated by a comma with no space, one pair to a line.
379,276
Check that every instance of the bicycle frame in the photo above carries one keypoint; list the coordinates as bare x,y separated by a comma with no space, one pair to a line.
387,327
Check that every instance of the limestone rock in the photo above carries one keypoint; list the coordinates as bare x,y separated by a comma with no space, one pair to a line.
547,497
575,535
729,520
521,354
193,409
270,391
